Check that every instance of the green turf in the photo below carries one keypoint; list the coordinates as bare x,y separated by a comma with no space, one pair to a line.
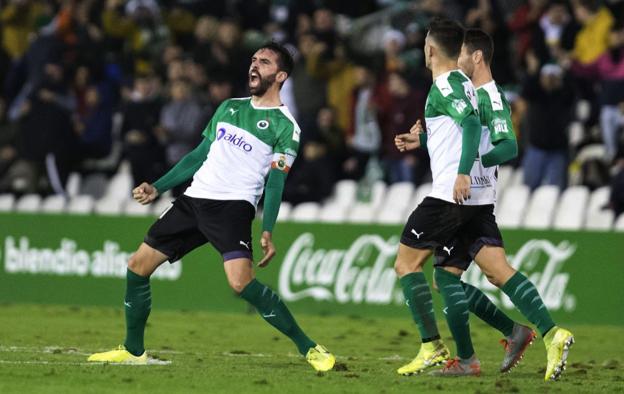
43,349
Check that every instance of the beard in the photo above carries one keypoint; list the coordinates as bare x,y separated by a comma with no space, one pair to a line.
264,83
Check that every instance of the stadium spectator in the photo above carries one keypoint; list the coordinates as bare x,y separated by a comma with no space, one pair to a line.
20,18
364,133
93,125
404,106
523,23
179,129
309,91
140,118
139,24
550,99
487,15
611,69
554,36
46,140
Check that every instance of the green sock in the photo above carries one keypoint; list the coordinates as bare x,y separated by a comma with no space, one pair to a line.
456,311
418,299
525,297
138,303
273,310
480,305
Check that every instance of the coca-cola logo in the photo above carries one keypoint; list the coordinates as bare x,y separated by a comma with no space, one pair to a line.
364,273
542,262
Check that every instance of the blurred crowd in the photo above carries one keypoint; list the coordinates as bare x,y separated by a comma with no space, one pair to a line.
88,84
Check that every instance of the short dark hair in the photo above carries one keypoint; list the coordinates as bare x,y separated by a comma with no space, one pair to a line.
285,60
478,40
448,34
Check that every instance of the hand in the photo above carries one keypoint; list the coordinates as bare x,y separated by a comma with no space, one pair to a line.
461,191
267,248
409,141
144,193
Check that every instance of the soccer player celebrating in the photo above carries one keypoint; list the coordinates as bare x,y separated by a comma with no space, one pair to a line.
481,240
452,141
246,140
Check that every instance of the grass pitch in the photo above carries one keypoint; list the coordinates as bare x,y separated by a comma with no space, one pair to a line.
43,349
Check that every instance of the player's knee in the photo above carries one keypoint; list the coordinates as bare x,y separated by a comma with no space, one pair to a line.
136,265
401,268
494,279
238,285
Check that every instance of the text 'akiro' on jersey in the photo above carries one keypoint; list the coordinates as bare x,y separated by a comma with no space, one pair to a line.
246,142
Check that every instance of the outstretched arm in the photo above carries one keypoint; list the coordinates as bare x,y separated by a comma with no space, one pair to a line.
185,168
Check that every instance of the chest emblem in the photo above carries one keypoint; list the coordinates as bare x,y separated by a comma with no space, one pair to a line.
262,124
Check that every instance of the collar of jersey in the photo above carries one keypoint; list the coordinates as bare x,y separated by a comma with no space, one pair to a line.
448,72
254,107
493,82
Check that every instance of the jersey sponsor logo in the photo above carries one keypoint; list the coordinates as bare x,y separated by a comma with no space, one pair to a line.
500,125
459,105
234,139
483,180
262,124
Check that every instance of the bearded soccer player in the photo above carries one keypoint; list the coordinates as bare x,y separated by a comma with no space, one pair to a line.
248,141
452,140
480,240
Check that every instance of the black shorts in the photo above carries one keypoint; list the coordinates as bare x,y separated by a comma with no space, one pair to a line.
191,222
432,224
456,232
480,229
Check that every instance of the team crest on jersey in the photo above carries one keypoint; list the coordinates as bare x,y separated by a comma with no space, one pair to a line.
262,124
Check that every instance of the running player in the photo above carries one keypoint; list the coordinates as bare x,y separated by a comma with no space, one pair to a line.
452,139
247,141
480,240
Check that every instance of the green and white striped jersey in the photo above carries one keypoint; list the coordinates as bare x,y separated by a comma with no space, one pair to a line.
451,99
246,142
495,116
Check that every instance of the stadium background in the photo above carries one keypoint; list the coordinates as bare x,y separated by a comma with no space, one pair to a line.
98,96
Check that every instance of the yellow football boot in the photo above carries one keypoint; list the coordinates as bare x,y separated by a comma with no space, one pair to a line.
430,355
119,356
320,359
558,342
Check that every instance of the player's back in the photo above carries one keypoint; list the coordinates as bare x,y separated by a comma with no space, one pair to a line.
244,139
451,99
